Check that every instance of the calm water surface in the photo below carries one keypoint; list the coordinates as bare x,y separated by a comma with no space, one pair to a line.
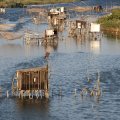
69,62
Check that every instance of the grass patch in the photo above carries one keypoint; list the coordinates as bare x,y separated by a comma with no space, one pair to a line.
112,20
110,24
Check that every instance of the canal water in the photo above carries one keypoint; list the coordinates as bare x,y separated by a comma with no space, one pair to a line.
70,62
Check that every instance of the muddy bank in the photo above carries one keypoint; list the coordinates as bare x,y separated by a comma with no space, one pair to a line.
5,34
10,35
81,9
4,27
111,31
36,10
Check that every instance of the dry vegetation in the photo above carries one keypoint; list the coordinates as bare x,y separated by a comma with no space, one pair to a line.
9,3
37,10
4,27
10,35
81,9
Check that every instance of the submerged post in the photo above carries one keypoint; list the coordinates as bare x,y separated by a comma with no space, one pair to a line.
7,94
75,92
0,91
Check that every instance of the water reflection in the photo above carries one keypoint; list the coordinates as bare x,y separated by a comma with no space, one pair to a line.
10,49
33,109
33,50
95,46
36,104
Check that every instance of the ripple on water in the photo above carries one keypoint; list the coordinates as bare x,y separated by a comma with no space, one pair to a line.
69,70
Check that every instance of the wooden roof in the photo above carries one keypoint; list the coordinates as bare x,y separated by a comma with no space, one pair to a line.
32,69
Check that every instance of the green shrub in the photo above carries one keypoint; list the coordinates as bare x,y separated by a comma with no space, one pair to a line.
112,20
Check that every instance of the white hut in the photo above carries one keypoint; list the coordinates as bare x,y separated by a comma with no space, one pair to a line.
2,10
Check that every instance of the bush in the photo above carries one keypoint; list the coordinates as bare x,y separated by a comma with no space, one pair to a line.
112,20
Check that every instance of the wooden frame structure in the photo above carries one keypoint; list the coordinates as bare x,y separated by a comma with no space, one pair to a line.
83,30
51,36
56,16
78,29
95,32
31,83
32,38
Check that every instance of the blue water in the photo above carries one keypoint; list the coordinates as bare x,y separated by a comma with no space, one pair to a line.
69,63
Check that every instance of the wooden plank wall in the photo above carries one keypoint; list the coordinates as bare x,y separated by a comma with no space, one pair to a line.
33,80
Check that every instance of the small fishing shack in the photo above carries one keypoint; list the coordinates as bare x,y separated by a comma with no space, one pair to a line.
81,24
32,82
56,16
51,33
31,37
2,10
51,36
95,33
78,28
98,8
56,11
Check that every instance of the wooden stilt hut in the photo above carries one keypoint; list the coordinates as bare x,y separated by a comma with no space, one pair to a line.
78,28
31,37
31,83
51,36
95,32
56,16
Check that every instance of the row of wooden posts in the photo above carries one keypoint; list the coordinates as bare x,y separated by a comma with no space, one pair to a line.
96,92
33,83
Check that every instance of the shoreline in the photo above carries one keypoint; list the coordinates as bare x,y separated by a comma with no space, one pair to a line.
23,4
81,9
111,32
110,24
